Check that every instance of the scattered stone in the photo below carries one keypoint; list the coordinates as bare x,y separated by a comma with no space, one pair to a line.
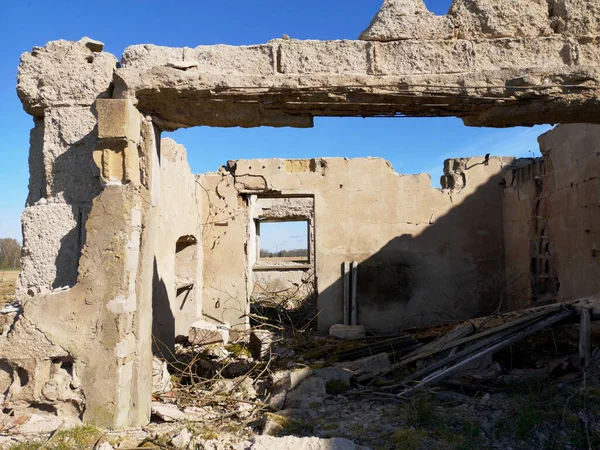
204,333
283,382
266,442
370,364
334,374
309,393
92,44
237,368
485,400
38,424
183,439
168,413
347,332
196,414
161,378
260,344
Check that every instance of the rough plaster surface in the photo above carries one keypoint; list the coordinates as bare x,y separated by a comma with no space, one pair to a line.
66,72
224,240
575,17
178,216
420,255
551,216
482,78
500,18
407,19
51,247
69,139
484,19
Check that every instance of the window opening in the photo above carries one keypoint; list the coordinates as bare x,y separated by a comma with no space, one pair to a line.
284,242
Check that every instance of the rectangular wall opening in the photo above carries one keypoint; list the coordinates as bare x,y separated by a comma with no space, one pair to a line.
283,242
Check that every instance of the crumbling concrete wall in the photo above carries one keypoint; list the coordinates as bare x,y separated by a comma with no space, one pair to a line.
552,219
177,291
424,254
224,242
63,179
86,349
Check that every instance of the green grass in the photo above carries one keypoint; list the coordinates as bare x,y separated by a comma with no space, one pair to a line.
79,438
408,439
336,387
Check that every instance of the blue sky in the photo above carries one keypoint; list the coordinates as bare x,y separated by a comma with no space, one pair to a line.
275,236
411,145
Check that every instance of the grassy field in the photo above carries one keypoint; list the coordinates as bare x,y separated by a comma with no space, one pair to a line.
8,282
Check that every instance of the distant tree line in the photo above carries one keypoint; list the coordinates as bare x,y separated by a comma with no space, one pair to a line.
284,253
10,253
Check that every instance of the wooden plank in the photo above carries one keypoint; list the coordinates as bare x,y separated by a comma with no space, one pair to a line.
353,298
584,337
470,356
506,326
346,277
457,333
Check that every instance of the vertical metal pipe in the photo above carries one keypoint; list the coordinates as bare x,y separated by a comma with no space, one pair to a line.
354,300
346,278
584,337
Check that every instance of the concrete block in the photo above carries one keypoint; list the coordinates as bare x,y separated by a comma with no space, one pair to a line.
214,59
64,72
369,364
168,413
331,57
347,332
576,17
423,57
252,60
205,333
118,119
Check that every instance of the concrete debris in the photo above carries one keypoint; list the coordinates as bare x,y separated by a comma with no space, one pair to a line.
307,443
161,378
307,394
367,365
347,332
183,439
205,333
42,424
259,343
168,413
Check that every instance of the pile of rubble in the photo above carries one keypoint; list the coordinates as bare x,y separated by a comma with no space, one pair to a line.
349,388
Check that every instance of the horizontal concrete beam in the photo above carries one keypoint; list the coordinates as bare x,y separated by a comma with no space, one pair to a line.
493,82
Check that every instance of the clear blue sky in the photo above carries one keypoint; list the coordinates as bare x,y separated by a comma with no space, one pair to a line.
411,145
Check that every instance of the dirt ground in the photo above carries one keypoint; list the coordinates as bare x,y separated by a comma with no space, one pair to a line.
8,281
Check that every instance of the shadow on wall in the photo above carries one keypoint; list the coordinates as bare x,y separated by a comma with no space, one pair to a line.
163,321
452,270
69,253
72,177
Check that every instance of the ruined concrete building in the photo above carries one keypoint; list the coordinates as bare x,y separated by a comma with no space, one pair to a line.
123,244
